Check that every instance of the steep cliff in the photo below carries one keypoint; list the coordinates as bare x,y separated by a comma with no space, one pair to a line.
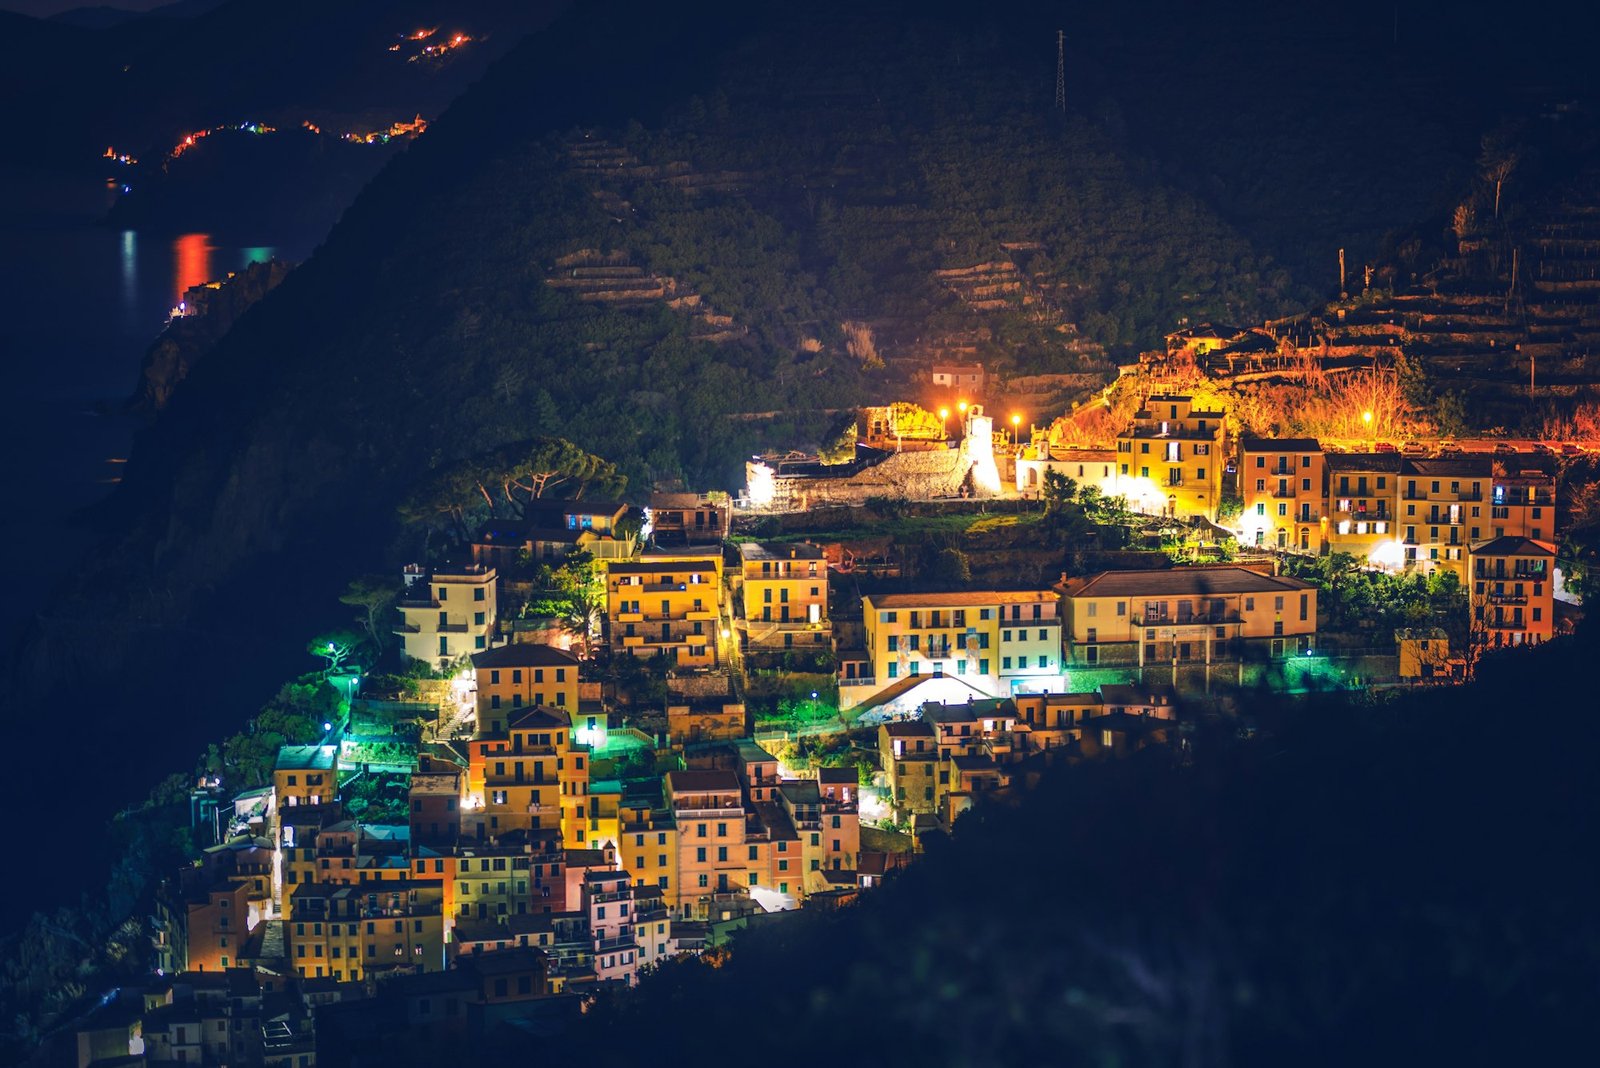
210,311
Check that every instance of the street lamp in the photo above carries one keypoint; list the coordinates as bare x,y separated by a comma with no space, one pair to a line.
944,414
1366,418
1016,425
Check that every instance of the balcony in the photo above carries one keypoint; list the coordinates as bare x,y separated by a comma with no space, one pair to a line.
407,628
1508,598
1442,495
628,617
613,945
452,628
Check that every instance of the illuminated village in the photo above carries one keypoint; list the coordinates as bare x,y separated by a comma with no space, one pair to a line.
681,521
627,731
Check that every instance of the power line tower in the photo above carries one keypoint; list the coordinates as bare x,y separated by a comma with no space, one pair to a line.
1061,71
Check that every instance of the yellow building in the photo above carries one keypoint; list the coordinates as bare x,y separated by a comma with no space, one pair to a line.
1424,652
306,775
349,933
997,641
446,615
1184,616
534,778
910,761
513,677
1362,507
649,851
1170,460
1281,482
1444,509
667,604
785,604
493,880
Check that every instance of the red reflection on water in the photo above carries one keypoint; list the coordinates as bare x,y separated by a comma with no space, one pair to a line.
191,256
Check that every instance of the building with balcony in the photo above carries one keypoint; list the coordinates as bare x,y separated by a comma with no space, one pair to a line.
785,597
437,792
708,810
996,641
1184,617
1363,496
1511,591
1444,507
828,828
533,777
910,761
513,677
1169,461
608,905
1522,502
690,518
446,615
495,880
1282,486
349,933
202,922
648,849
668,605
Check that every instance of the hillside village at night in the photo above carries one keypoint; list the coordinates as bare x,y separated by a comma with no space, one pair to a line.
895,534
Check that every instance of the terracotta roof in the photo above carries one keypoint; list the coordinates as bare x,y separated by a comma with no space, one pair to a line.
1179,582
909,728
1388,463
1458,467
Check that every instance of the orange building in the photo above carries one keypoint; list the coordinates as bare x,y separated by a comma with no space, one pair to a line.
708,809
1523,502
516,676
669,605
1511,591
526,779
218,921
1281,485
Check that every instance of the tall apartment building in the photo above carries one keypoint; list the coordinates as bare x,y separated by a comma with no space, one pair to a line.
534,777
668,604
708,810
1511,591
1281,482
785,597
1444,508
446,615
998,641
1170,459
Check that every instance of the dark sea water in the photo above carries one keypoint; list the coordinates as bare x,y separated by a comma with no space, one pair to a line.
79,304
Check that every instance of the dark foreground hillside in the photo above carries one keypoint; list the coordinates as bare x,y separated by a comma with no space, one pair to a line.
1388,882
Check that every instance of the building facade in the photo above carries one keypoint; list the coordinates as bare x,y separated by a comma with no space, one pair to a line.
785,597
521,675
997,641
446,615
669,605
1170,460
1282,487
1511,591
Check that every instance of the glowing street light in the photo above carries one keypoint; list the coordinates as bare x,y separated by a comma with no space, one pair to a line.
944,414
962,407
1366,418
1016,426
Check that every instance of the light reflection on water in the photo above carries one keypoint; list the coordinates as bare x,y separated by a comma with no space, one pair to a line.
191,254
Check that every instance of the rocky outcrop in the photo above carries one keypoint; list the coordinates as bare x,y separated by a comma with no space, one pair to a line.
209,310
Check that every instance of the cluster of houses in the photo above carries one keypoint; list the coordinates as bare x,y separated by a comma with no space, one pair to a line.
530,871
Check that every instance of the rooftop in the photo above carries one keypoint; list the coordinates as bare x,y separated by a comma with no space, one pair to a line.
1280,445
1180,582
1513,545
1382,462
799,550
523,654
1452,467
693,782
956,599
307,757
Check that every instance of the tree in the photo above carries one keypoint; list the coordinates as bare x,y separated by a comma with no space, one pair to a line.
504,481
374,596
335,647
1057,490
